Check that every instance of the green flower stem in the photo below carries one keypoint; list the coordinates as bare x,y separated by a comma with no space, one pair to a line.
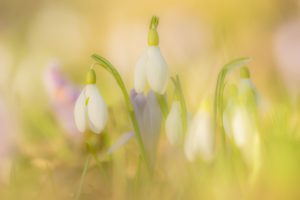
180,96
162,104
110,68
86,165
218,101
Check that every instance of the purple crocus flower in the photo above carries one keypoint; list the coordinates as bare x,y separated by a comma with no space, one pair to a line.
62,95
149,118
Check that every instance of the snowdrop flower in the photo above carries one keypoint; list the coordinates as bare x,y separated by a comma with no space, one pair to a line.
200,139
239,117
62,95
174,128
149,118
90,109
151,66
244,94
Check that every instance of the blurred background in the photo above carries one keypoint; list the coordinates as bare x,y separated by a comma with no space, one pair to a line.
45,48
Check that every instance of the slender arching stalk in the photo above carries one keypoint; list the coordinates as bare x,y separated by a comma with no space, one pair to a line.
110,68
218,99
85,168
162,104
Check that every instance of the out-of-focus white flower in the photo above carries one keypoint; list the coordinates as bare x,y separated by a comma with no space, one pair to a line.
244,93
243,126
62,95
151,66
245,134
149,118
90,109
174,128
239,116
200,138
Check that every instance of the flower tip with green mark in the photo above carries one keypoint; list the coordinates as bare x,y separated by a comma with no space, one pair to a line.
153,39
91,77
244,72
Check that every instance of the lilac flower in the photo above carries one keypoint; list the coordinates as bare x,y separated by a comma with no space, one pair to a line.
149,119
62,95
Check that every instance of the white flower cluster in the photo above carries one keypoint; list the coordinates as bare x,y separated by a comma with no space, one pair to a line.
196,135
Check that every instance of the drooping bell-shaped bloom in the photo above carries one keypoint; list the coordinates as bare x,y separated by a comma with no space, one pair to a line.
240,96
90,109
240,117
62,96
200,138
174,128
149,118
151,66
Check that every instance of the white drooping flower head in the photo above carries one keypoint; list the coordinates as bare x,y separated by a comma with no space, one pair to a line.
151,66
200,138
90,109
239,117
174,128
243,93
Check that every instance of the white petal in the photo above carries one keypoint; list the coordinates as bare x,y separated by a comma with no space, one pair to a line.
174,128
200,140
96,109
80,112
241,127
204,132
140,73
189,146
157,70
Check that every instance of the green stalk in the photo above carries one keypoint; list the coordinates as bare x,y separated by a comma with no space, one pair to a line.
110,68
82,177
162,104
218,100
